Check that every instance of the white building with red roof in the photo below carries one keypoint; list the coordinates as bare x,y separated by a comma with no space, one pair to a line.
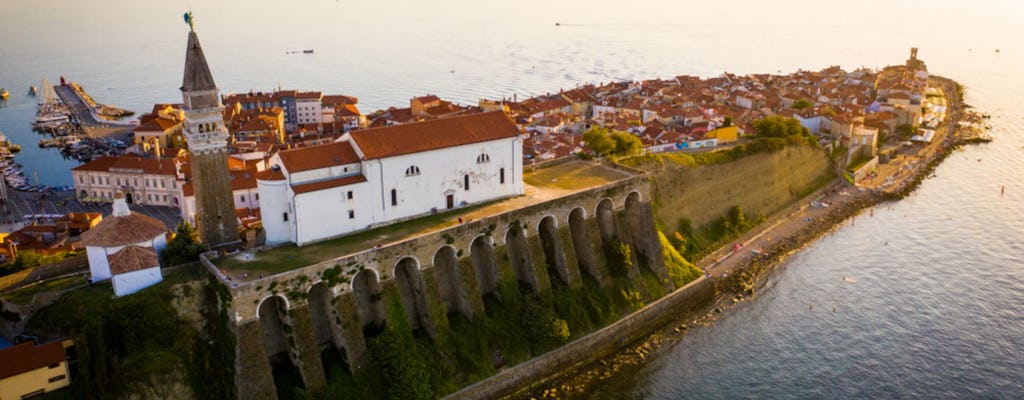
124,247
377,176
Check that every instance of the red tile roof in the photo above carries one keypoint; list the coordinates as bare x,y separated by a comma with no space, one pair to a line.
270,175
115,231
164,166
27,357
416,137
316,157
327,184
131,259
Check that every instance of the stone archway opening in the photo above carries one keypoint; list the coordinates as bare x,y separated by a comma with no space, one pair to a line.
410,287
274,323
485,265
446,272
369,302
519,255
552,246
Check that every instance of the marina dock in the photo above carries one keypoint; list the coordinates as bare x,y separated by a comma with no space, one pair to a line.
83,111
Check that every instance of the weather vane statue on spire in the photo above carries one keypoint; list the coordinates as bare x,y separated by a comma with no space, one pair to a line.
190,21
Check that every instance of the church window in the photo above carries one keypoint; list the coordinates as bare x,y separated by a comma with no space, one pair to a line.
351,214
465,182
412,170
483,158
394,197
242,198
349,195
257,196
501,175
285,216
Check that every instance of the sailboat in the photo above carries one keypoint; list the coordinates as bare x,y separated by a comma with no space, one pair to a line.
32,90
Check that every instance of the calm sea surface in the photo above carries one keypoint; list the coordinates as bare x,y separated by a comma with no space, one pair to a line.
938,309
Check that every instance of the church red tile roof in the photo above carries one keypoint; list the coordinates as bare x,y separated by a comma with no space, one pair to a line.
327,184
390,141
316,157
25,357
131,259
115,231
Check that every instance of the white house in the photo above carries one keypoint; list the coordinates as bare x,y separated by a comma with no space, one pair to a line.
134,268
373,177
122,230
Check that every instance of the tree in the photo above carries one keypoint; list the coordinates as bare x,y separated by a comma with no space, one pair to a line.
727,123
597,140
779,126
801,104
626,144
185,247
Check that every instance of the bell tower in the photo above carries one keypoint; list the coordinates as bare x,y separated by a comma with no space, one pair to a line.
207,138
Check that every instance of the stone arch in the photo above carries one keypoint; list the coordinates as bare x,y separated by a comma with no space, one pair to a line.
410,287
485,264
446,273
519,255
554,257
583,244
605,214
369,301
273,317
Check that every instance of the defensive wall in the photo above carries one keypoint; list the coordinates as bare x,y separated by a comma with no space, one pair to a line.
287,320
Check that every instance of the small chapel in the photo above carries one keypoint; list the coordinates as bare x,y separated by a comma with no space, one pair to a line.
124,248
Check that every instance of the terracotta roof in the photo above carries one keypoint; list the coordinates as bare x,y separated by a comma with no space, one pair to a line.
316,157
309,95
131,259
327,184
270,175
25,357
415,137
338,99
163,166
119,231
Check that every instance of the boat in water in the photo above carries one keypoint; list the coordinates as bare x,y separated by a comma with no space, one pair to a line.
31,90
4,94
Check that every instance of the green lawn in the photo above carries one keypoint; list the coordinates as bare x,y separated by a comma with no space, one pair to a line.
23,296
289,257
574,175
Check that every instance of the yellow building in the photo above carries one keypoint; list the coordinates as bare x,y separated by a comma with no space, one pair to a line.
28,370
724,135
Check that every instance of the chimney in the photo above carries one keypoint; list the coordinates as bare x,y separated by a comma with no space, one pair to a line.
120,205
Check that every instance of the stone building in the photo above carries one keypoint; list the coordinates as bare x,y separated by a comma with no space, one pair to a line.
207,137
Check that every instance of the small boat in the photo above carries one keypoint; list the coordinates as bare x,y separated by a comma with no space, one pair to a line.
307,51
4,94
31,90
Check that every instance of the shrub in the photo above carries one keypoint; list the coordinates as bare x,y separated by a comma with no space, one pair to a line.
184,248
619,257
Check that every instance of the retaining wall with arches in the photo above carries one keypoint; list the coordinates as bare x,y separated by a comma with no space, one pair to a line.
288,320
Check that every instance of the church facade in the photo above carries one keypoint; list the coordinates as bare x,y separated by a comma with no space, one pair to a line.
373,177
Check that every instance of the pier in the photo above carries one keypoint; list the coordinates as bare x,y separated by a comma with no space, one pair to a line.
83,111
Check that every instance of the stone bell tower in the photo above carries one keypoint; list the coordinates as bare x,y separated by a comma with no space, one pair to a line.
207,138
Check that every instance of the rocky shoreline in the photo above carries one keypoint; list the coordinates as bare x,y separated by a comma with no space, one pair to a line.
750,274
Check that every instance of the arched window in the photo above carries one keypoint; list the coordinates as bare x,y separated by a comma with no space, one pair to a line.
394,197
412,170
465,180
483,158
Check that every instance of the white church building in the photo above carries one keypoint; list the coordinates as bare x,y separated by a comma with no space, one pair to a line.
373,177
